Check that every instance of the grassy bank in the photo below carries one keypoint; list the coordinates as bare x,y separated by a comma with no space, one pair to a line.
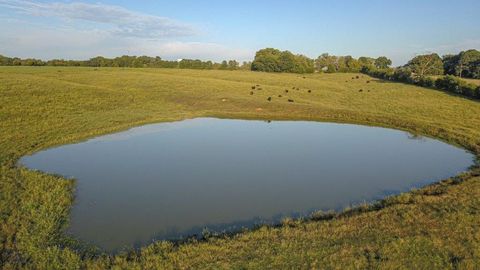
435,227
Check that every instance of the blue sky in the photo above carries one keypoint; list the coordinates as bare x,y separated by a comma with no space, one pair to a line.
219,30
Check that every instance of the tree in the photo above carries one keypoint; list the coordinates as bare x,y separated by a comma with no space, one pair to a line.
331,63
286,61
246,65
366,61
450,62
467,63
266,60
326,63
427,64
382,62
274,60
303,64
352,64
475,70
223,65
232,65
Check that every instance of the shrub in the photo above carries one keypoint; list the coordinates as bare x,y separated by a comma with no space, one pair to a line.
426,82
455,85
402,75
447,83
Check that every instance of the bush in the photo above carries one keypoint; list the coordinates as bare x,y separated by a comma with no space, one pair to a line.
385,74
455,85
403,75
426,82
447,83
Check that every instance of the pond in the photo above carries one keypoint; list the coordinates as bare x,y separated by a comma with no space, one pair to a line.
172,180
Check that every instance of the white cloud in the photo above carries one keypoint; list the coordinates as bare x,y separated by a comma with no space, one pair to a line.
40,41
89,30
122,21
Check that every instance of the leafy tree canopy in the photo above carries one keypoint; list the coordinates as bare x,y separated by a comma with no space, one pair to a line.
427,64
274,60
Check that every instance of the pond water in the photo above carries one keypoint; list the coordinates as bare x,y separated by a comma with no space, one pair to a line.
172,180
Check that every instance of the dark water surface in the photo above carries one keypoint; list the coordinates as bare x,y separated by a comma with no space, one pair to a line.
169,180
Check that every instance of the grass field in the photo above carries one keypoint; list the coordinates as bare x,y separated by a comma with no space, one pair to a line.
436,227
473,81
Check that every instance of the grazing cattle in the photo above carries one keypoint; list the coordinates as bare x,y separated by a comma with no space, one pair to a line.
309,91
290,100
361,90
269,98
253,87
286,91
368,81
357,77
279,95
251,92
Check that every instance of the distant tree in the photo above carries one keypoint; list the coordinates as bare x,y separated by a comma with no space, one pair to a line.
246,65
303,64
467,63
427,64
286,61
352,64
273,60
331,63
382,62
267,60
450,62
32,62
366,61
326,63
208,65
475,70
98,61
232,65
224,65
5,61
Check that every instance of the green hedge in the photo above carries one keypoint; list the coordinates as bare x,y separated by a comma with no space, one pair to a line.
453,84
447,83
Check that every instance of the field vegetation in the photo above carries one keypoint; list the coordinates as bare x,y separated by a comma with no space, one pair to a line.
435,227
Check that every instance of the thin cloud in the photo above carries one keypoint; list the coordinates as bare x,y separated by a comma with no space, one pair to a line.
49,42
124,22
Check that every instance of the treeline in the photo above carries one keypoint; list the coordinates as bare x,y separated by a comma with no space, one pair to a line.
274,60
418,70
331,63
127,61
423,69
464,65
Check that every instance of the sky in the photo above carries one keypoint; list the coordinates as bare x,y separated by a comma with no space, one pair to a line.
222,29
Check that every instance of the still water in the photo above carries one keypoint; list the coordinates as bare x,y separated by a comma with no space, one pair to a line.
171,180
